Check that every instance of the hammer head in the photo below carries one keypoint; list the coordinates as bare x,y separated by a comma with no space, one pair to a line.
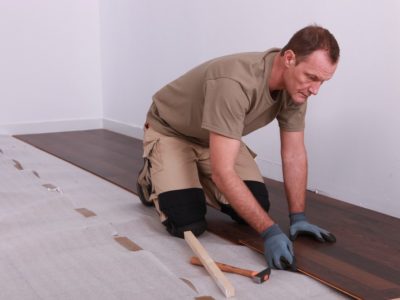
262,276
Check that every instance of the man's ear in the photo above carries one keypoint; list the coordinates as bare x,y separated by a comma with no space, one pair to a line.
290,58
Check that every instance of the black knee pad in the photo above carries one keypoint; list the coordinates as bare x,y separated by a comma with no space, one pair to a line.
260,192
228,209
185,210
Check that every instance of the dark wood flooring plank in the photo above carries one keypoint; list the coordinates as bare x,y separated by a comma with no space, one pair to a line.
109,155
333,265
364,262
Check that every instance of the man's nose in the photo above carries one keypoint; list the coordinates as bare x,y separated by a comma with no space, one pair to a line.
314,88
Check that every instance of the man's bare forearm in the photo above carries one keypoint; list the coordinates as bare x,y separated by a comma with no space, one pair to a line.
295,179
294,166
223,154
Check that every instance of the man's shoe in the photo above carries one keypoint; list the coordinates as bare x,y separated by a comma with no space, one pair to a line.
143,184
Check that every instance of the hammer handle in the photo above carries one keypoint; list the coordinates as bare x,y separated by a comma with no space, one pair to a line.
226,268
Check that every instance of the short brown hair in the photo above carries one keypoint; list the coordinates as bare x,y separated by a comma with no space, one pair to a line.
312,38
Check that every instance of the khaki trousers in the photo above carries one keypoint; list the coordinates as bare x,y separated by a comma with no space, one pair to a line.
178,164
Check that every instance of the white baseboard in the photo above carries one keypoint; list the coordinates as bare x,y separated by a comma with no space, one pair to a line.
51,126
123,128
72,125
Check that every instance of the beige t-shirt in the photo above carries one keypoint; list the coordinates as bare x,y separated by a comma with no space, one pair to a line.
228,95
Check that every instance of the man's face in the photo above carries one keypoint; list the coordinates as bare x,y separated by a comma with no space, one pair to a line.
305,78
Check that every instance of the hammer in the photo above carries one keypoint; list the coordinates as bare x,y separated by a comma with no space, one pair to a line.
259,277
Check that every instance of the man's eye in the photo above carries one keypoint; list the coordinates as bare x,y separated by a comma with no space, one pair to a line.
313,78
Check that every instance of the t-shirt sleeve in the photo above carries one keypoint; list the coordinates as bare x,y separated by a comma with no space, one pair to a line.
291,117
225,107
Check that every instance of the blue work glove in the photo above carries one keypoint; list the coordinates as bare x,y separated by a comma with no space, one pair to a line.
300,226
278,249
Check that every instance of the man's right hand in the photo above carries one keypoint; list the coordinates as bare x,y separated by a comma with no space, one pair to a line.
278,249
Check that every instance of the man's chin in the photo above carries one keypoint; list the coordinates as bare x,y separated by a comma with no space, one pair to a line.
299,99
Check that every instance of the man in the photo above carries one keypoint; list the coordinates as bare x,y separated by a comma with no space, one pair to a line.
192,143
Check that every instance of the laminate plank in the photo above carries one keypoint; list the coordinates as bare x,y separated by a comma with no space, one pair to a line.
106,154
364,262
332,264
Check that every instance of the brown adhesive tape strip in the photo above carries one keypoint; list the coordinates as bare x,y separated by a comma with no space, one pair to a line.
52,188
189,283
127,243
204,298
17,165
85,212
49,186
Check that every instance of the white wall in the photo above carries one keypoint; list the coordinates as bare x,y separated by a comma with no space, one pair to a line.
49,65
144,45
352,130
57,73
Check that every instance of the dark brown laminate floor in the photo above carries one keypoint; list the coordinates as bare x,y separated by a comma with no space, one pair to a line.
363,263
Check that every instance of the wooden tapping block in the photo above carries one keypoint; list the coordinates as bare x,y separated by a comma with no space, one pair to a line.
208,263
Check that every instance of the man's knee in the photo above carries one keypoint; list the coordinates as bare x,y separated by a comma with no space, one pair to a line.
260,192
185,210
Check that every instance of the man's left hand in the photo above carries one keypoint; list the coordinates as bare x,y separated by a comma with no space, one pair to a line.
300,226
